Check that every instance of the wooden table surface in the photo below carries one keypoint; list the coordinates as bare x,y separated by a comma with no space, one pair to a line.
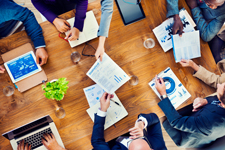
125,47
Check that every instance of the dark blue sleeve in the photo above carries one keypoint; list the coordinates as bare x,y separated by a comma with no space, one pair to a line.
192,124
97,139
9,10
154,132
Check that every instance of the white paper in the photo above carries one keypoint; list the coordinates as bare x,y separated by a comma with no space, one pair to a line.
90,29
93,94
114,113
176,96
187,46
107,74
164,32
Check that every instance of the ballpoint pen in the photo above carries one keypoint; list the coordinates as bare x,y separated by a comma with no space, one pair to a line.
115,102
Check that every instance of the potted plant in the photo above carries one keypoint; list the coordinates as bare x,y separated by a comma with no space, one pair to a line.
56,89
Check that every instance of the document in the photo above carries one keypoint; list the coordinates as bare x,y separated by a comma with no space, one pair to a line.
114,113
175,90
107,74
164,32
187,46
90,29
93,94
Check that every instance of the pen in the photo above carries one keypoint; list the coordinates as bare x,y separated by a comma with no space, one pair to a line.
115,102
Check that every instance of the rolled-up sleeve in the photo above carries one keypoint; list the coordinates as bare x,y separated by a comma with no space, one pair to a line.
172,8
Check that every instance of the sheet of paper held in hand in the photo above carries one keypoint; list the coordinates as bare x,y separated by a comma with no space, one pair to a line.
187,46
90,29
163,32
107,74
114,113
93,94
175,90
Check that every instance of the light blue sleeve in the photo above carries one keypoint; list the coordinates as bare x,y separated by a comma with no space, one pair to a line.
172,8
107,10
208,30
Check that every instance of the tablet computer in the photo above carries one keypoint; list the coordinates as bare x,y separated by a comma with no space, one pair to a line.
130,11
22,67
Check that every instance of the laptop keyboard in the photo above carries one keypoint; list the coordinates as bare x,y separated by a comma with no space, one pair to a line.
35,139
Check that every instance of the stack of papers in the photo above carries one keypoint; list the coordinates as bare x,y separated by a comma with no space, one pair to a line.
114,113
107,74
164,32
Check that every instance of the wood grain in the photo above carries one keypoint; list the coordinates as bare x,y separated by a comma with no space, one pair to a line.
125,47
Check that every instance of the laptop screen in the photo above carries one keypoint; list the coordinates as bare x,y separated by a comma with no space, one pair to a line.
28,128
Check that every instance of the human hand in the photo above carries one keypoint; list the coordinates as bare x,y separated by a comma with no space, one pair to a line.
41,56
178,25
160,86
23,146
2,70
199,102
50,142
137,130
61,25
105,101
191,3
73,34
189,63
99,52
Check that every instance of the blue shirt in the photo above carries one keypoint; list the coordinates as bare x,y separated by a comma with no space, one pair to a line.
209,21
9,10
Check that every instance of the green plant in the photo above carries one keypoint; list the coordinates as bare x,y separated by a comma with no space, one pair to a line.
56,90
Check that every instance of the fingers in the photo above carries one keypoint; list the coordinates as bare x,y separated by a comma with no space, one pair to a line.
101,57
47,136
68,35
2,70
180,32
26,146
72,37
161,80
37,59
29,148
67,23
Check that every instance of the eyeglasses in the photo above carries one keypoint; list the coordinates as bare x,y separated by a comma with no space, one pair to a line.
143,137
84,49
137,3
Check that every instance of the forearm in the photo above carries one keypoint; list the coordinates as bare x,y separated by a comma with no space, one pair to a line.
207,30
172,8
107,10
209,78
101,42
44,10
80,15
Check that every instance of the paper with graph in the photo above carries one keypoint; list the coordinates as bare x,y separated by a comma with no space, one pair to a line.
114,113
187,46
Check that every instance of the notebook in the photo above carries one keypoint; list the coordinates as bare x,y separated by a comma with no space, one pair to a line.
114,113
90,29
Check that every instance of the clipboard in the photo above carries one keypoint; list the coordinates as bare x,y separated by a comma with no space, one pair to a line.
31,81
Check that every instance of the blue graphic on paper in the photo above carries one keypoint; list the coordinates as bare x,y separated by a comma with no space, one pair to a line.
22,66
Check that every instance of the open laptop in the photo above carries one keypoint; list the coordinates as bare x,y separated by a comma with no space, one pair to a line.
32,133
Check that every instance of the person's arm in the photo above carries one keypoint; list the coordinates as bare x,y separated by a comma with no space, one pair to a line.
80,15
97,139
203,74
107,10
207,30
172,8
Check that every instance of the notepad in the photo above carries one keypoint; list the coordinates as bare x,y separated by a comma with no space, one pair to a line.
187,46
90,29
107,74
114,113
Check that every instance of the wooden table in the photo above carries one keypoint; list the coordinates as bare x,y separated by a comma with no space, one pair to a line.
125,47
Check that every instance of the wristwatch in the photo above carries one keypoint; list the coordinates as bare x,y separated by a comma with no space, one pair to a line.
163,97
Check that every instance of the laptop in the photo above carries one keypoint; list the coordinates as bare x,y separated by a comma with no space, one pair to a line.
32,133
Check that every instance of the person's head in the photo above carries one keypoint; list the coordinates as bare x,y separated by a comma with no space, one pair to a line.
139,144
221,93
213,4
